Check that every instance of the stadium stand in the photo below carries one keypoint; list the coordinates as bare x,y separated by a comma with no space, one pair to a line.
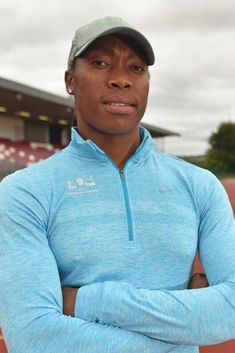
20,154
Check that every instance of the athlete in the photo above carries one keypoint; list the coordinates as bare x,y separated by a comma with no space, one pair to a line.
98,241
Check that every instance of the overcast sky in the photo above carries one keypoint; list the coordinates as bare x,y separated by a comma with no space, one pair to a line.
192,82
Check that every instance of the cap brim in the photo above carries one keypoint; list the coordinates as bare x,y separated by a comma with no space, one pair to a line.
130,33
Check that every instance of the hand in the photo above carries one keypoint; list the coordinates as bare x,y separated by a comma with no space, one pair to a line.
198,280
69,299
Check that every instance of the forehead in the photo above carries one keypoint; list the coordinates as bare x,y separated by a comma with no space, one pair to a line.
110,42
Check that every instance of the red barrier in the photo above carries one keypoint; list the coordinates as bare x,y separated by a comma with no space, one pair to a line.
2,346
227,347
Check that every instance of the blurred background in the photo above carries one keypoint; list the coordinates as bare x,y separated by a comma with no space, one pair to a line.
191,110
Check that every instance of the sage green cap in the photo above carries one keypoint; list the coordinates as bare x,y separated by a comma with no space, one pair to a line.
87,34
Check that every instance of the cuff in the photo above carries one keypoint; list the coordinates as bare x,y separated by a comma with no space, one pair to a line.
88,304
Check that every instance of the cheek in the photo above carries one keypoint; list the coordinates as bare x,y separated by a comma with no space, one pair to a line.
143,93
86,94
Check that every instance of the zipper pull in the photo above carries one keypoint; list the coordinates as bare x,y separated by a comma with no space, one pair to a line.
122,174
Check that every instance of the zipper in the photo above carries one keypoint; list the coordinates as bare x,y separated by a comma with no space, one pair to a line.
125,193
126,196
127,206
126,199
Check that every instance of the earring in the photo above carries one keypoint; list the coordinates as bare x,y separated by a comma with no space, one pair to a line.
70,91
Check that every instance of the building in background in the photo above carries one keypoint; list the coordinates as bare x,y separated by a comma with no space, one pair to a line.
35,124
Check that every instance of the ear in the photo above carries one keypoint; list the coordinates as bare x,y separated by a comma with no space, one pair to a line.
69,81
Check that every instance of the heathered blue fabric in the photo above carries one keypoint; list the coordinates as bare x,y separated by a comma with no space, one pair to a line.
128,240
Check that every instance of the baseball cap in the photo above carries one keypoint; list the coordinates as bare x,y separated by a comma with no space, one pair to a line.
87,34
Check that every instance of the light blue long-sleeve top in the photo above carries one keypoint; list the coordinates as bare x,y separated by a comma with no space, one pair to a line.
128,239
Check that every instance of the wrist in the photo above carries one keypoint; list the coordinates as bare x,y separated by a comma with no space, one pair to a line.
69,300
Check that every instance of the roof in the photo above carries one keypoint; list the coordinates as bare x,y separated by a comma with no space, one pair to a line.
17,98
157,131
33,92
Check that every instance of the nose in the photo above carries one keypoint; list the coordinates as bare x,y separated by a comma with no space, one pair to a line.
119,79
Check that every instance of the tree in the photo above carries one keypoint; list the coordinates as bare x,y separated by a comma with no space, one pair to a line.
220,158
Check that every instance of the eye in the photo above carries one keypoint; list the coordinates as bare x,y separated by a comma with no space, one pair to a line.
138,68
99,63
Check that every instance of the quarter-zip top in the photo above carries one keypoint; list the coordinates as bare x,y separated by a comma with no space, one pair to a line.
64,223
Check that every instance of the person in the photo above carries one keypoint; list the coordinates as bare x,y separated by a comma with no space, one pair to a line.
98,241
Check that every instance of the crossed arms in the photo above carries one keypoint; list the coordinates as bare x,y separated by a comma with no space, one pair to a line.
198,280
31,305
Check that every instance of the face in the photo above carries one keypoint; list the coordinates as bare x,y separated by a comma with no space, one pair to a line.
110,83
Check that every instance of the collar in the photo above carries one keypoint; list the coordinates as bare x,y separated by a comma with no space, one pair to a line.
89,150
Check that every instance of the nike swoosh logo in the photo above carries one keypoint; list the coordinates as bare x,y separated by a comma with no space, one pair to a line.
164,190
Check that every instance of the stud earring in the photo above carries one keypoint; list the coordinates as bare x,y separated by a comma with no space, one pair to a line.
70,91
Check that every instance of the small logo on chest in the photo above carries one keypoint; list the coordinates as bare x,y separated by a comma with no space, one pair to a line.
164,190
81,185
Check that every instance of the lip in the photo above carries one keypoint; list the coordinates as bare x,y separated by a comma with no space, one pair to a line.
119,105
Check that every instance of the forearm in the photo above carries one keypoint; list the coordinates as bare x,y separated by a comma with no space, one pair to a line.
193,317
198,280
57,333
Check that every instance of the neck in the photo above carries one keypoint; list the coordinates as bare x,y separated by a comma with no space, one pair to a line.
119,148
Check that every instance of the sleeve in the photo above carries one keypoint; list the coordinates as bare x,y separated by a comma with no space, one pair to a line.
31,314
194,317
